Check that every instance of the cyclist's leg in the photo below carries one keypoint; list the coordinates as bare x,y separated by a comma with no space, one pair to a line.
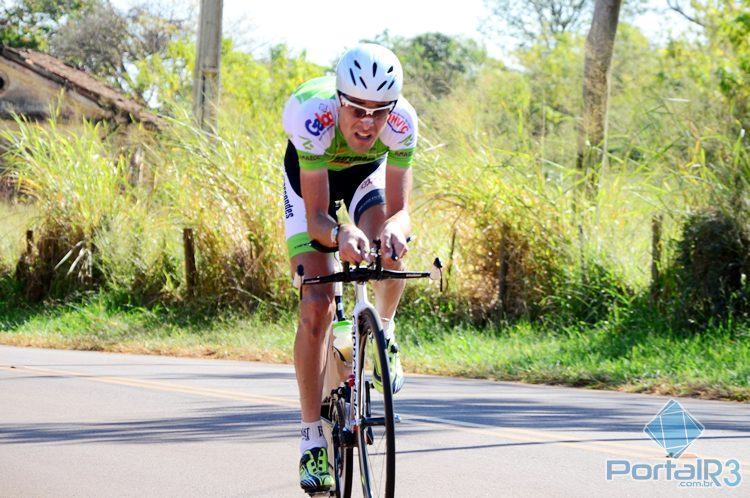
316,305
315,316
367,209
366,203
316,313
388,292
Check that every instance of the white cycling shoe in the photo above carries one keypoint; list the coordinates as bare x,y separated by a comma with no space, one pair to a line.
394,362
396,371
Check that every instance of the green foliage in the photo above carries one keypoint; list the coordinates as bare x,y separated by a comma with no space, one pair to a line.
495,166
76,185
434,63
555,76
725,53
96,227
729,29
636,352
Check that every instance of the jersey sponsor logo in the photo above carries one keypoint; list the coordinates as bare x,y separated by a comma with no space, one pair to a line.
350,160
321,122
366,183
306,143
288,213
402,153
408,141
398,123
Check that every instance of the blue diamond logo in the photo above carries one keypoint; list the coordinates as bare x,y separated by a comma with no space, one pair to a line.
674,429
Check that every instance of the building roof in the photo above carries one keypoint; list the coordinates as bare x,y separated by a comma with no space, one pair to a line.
81,82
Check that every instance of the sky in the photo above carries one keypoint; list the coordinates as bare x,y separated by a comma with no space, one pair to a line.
325,28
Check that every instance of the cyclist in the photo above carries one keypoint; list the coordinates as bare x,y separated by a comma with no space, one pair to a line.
351,138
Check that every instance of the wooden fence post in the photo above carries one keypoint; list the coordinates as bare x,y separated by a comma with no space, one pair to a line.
450,258
190,272
24,262
135,173
656,250
502,274
29,243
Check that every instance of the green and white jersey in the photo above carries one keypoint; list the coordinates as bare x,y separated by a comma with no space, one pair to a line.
311,122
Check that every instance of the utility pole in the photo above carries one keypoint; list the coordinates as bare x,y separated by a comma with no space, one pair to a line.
206,81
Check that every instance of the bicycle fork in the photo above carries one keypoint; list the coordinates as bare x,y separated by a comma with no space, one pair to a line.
361,302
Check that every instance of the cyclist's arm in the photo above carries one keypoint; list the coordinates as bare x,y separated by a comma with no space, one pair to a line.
398,185
314,185
353,244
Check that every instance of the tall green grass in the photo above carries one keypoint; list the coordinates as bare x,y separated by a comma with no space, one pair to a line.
495,190
95,227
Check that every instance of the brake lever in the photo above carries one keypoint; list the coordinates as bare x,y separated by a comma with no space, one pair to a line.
394,256
299,279
436,273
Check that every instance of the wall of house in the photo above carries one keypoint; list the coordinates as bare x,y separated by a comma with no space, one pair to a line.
27,93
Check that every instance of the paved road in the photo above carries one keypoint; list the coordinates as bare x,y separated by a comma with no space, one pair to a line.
97,424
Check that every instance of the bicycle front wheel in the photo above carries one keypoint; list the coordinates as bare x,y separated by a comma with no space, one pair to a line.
342,452
375,437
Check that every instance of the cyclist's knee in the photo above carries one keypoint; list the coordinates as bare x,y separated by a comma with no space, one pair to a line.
316,311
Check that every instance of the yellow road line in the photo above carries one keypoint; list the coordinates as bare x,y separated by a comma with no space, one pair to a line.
514,434
162,386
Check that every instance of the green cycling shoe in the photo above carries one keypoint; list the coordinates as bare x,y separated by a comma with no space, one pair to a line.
396,371
314,476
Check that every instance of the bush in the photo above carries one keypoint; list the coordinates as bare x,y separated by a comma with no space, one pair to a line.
712,267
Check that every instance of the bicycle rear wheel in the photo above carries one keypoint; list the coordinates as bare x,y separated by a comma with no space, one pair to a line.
375,438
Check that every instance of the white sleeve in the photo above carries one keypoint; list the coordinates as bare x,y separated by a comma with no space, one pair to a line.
309,125
401,131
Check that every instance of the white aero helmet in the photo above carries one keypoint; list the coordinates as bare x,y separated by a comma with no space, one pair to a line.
370,72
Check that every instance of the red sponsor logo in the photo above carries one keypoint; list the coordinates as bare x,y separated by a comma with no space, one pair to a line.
322,121
325,119
398,123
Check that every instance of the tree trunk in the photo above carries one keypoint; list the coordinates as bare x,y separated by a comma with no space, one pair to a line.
592,135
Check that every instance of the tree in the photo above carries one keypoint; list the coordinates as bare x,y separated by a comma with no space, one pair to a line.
31,23
435,61
113,45
535,21
96,40
598,58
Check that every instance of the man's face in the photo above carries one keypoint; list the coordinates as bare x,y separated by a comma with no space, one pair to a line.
360,131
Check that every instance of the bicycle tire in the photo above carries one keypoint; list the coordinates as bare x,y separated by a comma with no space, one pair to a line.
377,458
343,456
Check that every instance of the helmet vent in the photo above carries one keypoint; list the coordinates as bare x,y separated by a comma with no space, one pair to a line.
392,82
357,64
390,70
363,82
382,84
374,68
351,73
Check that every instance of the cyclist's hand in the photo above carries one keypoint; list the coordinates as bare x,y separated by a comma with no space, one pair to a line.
394,241
353,245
